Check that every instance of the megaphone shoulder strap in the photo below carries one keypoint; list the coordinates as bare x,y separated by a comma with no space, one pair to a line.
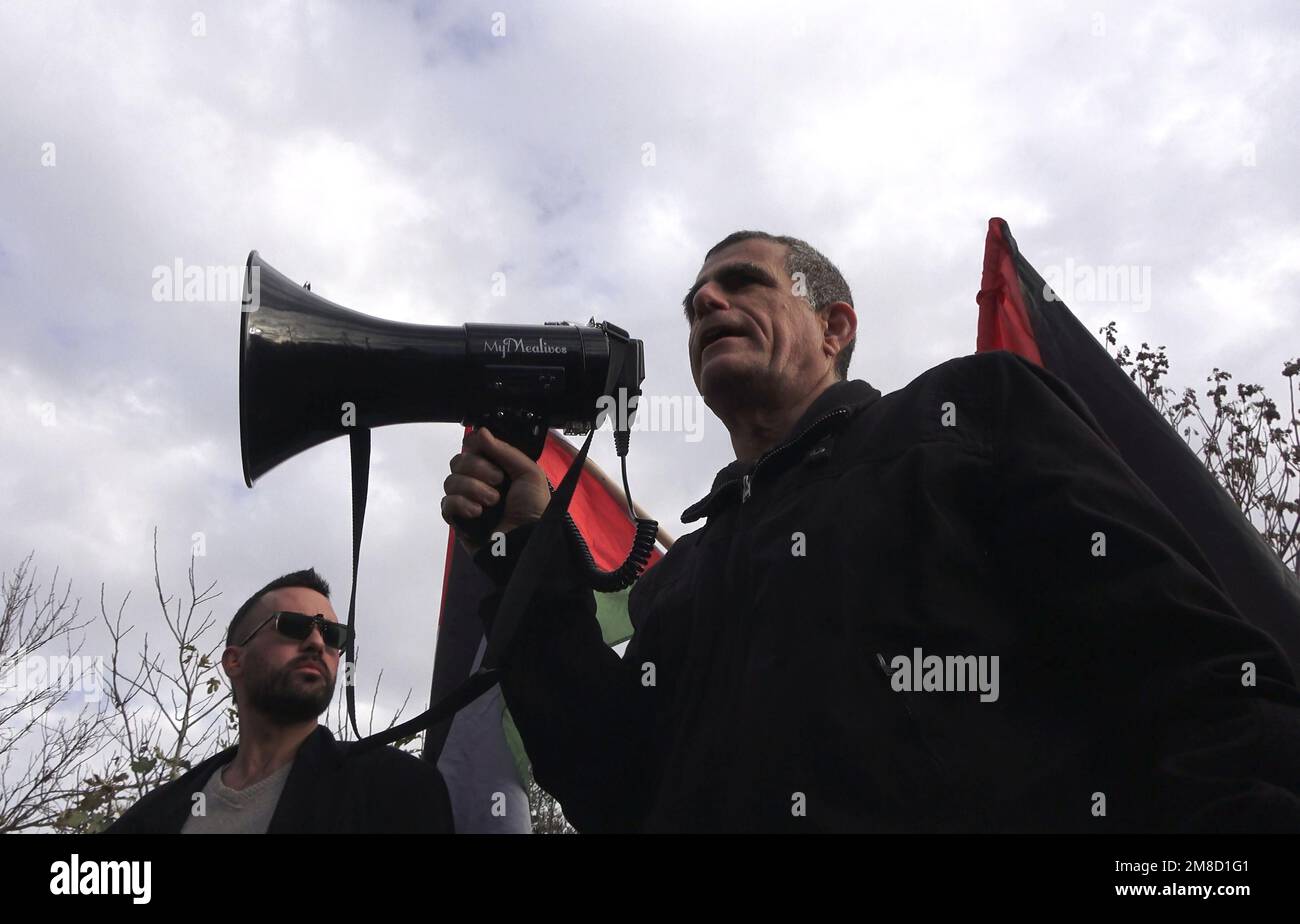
359,446
547,537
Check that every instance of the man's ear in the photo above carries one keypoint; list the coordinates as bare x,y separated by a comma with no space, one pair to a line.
232,662
841,327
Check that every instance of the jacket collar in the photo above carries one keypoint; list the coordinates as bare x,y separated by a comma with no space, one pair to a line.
302,798
838,401
319,749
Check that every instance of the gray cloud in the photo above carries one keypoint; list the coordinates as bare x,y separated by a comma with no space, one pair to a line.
397,156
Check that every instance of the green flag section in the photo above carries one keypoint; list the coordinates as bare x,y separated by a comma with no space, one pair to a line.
479,751
611,613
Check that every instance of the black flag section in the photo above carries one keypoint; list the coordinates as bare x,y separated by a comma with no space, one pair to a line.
1017,314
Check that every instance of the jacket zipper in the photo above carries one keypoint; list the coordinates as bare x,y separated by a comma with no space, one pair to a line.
746,481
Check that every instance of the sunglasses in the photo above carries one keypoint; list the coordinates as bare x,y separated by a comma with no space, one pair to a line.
298,626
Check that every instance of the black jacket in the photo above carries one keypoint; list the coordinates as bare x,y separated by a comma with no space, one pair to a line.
961,516
329,791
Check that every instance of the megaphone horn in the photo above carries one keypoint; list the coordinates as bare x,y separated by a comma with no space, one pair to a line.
311,370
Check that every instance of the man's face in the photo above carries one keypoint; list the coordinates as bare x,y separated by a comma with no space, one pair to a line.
285,679
750,335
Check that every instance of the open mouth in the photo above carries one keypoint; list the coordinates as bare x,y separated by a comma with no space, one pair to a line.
715,336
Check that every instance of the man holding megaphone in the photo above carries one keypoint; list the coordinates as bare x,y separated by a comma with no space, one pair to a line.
890,620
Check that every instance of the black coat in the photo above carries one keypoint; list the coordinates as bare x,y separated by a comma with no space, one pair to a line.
959,515
329,791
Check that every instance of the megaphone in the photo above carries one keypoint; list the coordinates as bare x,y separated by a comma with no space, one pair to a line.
311,370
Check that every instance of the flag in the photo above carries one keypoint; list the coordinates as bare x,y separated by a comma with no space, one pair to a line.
479,752
1020,313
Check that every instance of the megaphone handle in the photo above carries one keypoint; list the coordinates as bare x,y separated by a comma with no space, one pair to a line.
480,529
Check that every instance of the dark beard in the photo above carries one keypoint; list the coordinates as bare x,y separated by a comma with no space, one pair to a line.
280,701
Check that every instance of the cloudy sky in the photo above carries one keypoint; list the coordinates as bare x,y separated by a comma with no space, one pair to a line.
399,155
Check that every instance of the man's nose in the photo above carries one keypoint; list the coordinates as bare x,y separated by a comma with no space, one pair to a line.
314,641
707,300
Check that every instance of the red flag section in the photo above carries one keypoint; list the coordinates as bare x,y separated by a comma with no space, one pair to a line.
1004,321
597,507
471,749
